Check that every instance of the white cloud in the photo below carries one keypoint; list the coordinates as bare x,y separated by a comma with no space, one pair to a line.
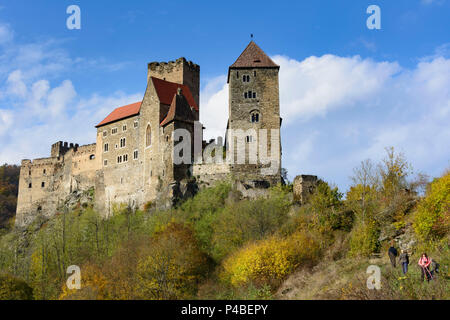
317,85
6,34
214,107
39,105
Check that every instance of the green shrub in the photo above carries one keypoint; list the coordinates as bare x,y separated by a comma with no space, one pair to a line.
364,239
12,288
432,219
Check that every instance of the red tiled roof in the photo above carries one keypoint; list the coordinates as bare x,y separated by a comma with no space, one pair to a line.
121,113
166,90
253,57
179,110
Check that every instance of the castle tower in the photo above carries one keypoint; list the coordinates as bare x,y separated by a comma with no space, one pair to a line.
180,71
254,105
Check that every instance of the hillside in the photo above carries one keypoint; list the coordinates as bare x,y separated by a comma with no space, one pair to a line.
220,246
9,184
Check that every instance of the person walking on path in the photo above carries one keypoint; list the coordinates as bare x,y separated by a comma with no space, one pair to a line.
424,263
392,252
404,261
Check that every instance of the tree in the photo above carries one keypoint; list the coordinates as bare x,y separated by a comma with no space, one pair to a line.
172,265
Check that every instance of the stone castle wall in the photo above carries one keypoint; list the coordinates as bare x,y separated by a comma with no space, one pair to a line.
45,183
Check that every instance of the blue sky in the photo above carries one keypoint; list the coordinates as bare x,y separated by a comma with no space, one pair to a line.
346,91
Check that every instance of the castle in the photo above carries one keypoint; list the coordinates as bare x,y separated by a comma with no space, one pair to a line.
135,157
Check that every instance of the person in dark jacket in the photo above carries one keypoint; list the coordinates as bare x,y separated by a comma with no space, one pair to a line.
404,261
392,252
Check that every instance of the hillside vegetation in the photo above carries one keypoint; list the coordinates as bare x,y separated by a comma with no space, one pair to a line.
9,185
219,246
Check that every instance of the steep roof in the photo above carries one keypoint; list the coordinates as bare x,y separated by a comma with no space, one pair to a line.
121,113
254,57
166,90
179,109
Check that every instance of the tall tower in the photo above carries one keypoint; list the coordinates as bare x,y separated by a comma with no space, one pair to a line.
254,105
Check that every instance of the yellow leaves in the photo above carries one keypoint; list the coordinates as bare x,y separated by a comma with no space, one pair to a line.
269,261
432,219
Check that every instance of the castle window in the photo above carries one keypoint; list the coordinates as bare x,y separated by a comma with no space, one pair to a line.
29,185
43,184
148,136
254,117
245,78
245,95
249,139
92,157
106,148
135,154
254,95
45,171
237,74
113,130
124,127
122,143
125,158
104,133
119,159
136,124
29,172
254,73
105,163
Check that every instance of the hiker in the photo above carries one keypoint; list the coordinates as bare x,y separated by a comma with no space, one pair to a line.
424,263
404,261
392,252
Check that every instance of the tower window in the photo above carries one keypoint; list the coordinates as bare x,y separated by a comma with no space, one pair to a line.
148,136
245,78
245,95
104,133
105,163
119,159
92,157
113,130
43,184
106,147
254,73
124,127
125,158
254,95
29,185
45,171
135,154
136,124
237,74
254,117
249,139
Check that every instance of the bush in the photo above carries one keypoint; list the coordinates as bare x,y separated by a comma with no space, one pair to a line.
270,261
432,219
12,288
248,220
364,239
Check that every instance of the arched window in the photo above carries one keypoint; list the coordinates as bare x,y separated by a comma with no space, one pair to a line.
254,116
148,136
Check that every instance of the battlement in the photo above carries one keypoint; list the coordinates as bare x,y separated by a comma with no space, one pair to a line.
156,66
60,148
179,71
